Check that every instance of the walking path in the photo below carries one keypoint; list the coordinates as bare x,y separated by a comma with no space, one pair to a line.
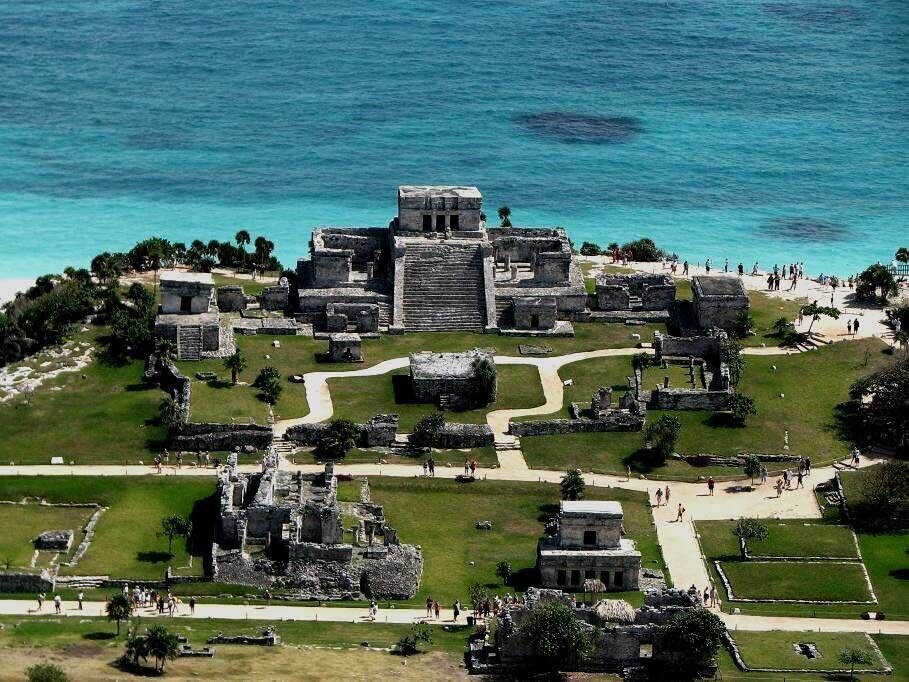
21,607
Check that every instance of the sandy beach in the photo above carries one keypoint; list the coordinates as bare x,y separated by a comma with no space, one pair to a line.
9,287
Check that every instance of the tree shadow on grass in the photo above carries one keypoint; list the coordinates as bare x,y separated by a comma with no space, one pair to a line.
524,578
723,420
153,557
403,389
547,511
99,635
900,573
219,383
847,422
141,387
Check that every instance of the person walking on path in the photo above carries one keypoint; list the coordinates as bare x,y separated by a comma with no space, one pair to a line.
807,466
666,495
849,327
40,600
680,516
710,484
432,467
192,606
627,472
779,487
799,479
659,496
764,474
437,609
80,597
57,601
855,326
457,610
685,268
429,607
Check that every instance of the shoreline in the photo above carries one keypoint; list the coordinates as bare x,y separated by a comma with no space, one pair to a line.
10,286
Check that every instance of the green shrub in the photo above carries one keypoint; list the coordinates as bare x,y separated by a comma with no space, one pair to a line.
643,250
45,672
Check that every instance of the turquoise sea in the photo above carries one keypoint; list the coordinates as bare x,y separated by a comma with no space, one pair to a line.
761,131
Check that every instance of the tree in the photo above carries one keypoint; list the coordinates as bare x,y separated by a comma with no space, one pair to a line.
902,338
170,412
882,502
136,647
572,485
338,438
590,249
45,672
876,280
881,403
162,644
752,467
477,594
242,238
409,644
643,250
744,325
782,326
105,268
119,608
485,372
902,255
815,311
505,216
662,436
425,431
268,381
731,354
854,657
748,529
174,527
263,253
741,405
166,350
236,363
503,571
554,637
696,634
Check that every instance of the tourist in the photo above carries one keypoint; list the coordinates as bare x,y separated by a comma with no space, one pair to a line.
725,265
40,600
659,496
855,326
770,282
856,455
373,610
179,460
754,270
710,484
680,515
764,474
798,477
207,459
849,327
436,608
706,595
79,598
713,595
267,597
432,467
466,467
685,268
779,487
628,472
426,468
429,607
57,602
457,610
473,468
707,266
807,466
666,495
741,269
795,281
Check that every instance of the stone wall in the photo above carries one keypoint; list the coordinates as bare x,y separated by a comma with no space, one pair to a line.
365,316
707,347
552,267
231,298
615,420
690,399
274,298
27,582
543,308
462,436
380,431
331,268
200,436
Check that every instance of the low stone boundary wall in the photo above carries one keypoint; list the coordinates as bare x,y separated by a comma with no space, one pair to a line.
617,421
690,399
733,648
462,436
702,459
198,436
378,431
27,582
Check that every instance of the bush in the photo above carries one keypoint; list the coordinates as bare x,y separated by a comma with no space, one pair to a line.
662,436
426,429
590,249
555,638
741,406
573,485
268,381
486,377
697,634
45,672
337,439
643,250
503,571
409,644
875,280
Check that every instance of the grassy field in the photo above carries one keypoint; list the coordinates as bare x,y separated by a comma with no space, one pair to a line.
250,287
361,398
21,524
126,543
811,581
105,413
813,384
440,515
776,650
789,538
87,647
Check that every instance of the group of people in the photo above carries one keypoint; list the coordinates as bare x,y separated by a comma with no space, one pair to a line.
709,596
202,459
58,602
429,467
470,467
162,602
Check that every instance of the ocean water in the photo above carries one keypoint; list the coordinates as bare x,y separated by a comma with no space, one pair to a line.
757,131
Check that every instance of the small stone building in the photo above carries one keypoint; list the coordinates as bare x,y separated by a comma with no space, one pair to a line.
453,380
719,301
345,348
635,292
535,312
588,545
189,317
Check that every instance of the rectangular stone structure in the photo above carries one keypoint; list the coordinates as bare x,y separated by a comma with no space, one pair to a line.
438,208
345,348
719,301
186,292
450,379
538,312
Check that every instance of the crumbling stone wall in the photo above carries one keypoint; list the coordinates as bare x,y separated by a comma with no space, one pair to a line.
27,582
380,431
614,420
231,298
274,298
200,436
365,316
461,436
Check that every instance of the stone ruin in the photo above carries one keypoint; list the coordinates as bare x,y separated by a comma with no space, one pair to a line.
437,266
60,540
639,296
712,389
719,301
284,531
345,348
189,317
625,640
588,543
452,380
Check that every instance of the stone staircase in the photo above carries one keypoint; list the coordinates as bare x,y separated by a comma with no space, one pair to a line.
189,342
443,287
81,582
284,449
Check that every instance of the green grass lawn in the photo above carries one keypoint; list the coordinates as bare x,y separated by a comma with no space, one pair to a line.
776,650
250,287
789,538
440,515
21,524
126,543
360,398
109,416
813,384
828,581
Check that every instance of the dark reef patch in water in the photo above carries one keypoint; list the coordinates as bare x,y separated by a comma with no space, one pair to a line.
801,229
818,14
585,128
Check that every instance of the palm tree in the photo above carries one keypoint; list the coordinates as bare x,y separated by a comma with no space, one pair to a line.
505,216
236,363
119,608
902,254
162,644
242,239
167,351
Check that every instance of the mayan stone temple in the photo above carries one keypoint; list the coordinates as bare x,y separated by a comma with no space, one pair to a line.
436,267
281,529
